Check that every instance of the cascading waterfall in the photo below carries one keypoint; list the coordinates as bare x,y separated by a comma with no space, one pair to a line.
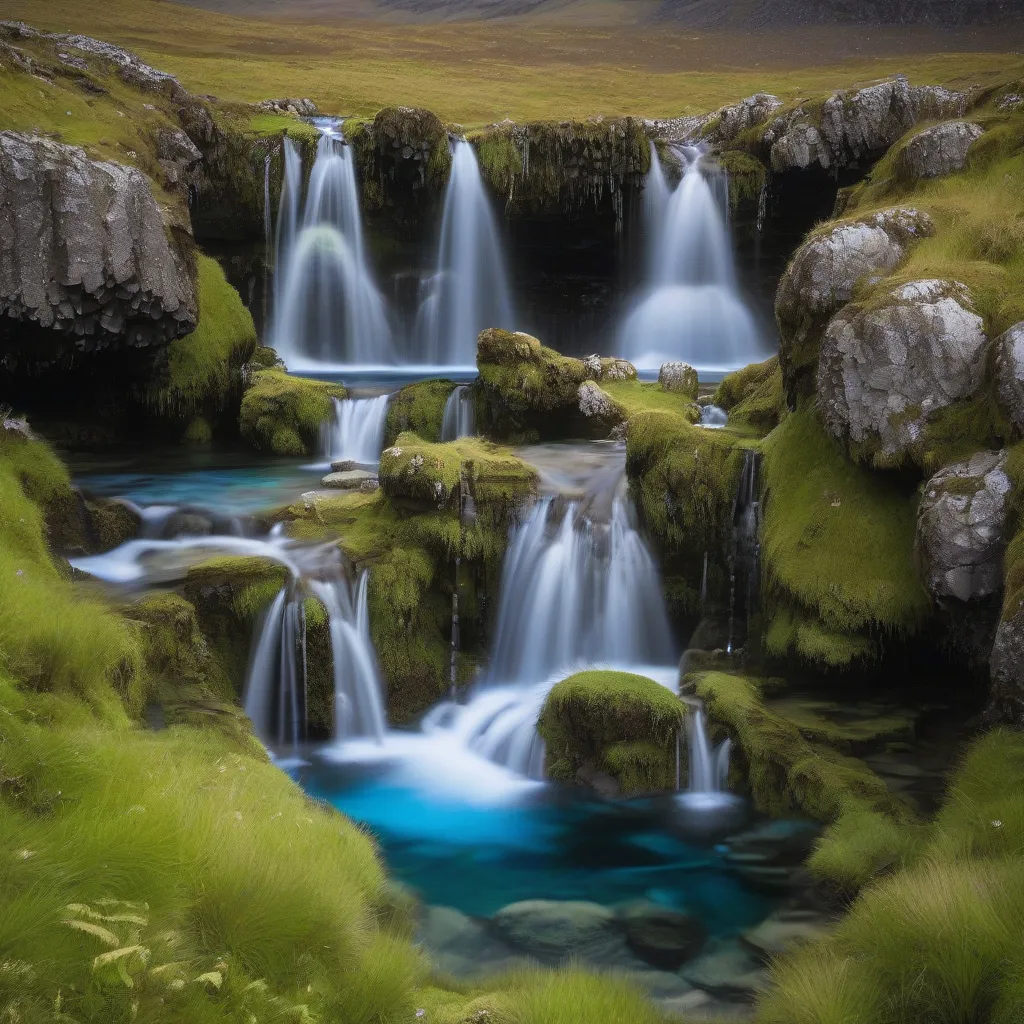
469,290
356,432
328,309
275,693
458,415
712,417
690,308
709,765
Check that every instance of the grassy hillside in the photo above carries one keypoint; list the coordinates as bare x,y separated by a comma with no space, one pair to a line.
474,73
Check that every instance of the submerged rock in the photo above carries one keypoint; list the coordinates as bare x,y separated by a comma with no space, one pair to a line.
552,930
663,937
941,149
1009,353
727,970
679,377
888,365
960,528
785,929
823,274
84,252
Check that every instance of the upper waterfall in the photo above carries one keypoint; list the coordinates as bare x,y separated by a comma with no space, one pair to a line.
327,307
469,290
690,307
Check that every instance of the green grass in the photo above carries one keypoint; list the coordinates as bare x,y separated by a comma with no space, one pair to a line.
284,414
622,723
837,549
754,397
636,396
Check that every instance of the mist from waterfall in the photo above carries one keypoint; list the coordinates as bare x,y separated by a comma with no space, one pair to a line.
356,431
690,307
469,290
327,309
458,415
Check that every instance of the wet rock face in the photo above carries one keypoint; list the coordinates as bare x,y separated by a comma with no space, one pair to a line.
823,274
960,528
1006,665
1010,374
939,150
853,128
886,367
83,251
722,126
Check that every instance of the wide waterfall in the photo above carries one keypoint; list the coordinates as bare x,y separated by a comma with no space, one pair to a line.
356,432
327,310
690,307
469,289
458,415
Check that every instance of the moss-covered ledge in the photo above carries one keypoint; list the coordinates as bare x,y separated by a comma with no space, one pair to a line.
285,414
418,408
615,723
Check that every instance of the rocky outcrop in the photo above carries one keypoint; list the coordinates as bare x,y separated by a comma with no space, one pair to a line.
84,254
850,129
1009,353
1006,666
596,404
888,365
177,154
301,107
679,377
960,528
941,149
822,277
720,127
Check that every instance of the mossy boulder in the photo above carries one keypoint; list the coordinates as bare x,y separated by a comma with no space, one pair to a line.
285,414
530,393
839,579
200,382
418,408
784,773
748,177
616,723
825,273
753,397
679,377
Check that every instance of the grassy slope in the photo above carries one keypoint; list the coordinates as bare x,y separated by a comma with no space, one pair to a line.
471,74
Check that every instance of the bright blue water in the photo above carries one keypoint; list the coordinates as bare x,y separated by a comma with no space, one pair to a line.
548,844
231,483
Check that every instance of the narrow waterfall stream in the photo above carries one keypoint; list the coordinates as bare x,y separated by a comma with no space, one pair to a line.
689,307
356,432
469,289
458,415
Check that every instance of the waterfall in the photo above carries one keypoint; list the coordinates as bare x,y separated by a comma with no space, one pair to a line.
469,290
690,307
357,431
712,417
709,765
745,548
328,309
458,415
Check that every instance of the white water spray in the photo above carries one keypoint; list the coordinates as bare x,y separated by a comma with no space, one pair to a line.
357,431
469,290
690,308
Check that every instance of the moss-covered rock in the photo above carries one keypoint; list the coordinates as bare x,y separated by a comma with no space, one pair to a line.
753,397
419,408
747,177
838,572
618,723
785,773
561,168
285,414
201,380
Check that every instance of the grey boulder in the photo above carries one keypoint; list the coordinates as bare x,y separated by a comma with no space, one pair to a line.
1009,353
679,377
961,528
941,149
887,366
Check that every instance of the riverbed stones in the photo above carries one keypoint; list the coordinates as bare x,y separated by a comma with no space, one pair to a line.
1009,355
84,254
961,528
680,378
785,929
663,937
347,480
886,366
939,150
553,930
728,971
824,274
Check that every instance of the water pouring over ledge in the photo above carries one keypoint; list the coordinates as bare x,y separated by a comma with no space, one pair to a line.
690,307
356,432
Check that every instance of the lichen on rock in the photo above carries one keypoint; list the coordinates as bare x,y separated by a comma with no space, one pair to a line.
938,150
679,377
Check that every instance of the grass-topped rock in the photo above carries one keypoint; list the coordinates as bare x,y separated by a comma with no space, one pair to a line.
615,724
753,397
284,414
418,408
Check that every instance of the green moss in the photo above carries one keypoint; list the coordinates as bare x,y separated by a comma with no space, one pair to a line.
203,372
635,396
418,407
754,397
837,550
747,176
624,724
786,773
284,414
683,479
271,126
